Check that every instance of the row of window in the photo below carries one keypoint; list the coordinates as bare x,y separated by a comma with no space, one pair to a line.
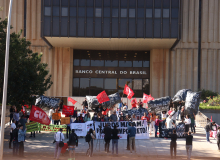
115,12
93,86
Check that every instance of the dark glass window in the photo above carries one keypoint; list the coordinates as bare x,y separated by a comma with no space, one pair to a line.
157,13
137,63
166,3
106,12
107,3
64,2
81,24
140,3
131,27
64,11
111,63
157,23
114,12
73,27
81,3
137,84
89,28
81,11
140,12
149,28
123,3
115,3
98,3
123,12
47,11
174,12
47,2
89,12
98,24
114,27
73,3
84,82
132,3
122,82
56,26
132,13
166,13
76,82
47,26
85,62
73,11
56,11
148,13
149,3
166,28
64,24
98,12
89,3
123,27
146,63
76,62
157,3
110,83
56,2
125,63
106,27
146,86
97,62
140,27
96,83
175,3
174,28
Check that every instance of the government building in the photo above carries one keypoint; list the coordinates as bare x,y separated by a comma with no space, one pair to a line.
156,47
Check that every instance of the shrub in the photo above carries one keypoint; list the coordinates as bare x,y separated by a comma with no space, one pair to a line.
207,93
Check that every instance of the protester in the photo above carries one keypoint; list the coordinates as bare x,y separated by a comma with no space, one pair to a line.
132,133
125,107
173,144
174,115
163,115
114,117
140,104
170,111
106,118
68,128
107,137
218,139
152,122
81,119
13,126
87,117
157,122
179,106
56,122
73,143
134,118
91,141
193,130
95,117
16,116
58,137
85,104
51,111
189,140
182,112
15,140
120,105
23,122
145,117
121,119
169,123
99,109
187,123
133,103
12,110
75,112
208,128
21,139
115,138
102,118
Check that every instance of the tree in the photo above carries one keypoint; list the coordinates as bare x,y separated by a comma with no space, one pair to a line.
27,76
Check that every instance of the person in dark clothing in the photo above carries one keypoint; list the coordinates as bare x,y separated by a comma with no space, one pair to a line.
173,144
132,133
12,110
73,143
15,141
99,109
189,140
107,132
218,139
85,104
208,128
115,138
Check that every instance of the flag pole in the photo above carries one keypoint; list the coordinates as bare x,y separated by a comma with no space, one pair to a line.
4,98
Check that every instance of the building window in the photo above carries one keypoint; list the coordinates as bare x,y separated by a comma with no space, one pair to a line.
166,13
98,12
132,13
110,83
73,11
123,12
114,12
64,11
47,11
157,13
76,62
174,12
56,11
148,13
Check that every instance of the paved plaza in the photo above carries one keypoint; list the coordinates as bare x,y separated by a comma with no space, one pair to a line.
41,147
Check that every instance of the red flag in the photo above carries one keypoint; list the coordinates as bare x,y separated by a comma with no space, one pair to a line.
68,110
128,91
71,100
102,97
211,118
26,105
38,115
147,98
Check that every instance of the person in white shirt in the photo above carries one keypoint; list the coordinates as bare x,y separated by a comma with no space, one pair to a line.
51,111
187,123
169,123
163,115
13,126
125,108
58,137
174,115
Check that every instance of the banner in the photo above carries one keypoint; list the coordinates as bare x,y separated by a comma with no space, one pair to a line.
164,132
38,115
47,102
81,129
141,129
128,91
65,120
56,116
53,128
71,100
102,97
68,110
32,126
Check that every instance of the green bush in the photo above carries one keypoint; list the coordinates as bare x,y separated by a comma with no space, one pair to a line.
207,93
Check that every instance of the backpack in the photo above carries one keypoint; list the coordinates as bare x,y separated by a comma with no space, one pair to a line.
88,137
74,138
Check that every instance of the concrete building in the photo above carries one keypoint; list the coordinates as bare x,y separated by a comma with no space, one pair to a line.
152,45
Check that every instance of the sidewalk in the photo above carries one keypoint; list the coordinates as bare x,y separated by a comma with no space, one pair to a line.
154,147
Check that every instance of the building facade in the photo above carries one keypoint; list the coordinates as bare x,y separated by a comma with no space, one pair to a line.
95,45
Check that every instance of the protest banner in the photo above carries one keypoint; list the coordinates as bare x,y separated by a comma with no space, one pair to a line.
65,120
53,128
141,129
56,116
68,110
32,126
81,129
38,115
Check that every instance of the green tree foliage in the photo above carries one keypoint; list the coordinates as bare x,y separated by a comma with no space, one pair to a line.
207,93
27,76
